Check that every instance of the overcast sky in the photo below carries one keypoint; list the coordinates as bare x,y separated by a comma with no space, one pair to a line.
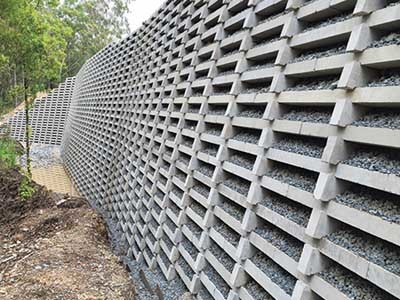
141,10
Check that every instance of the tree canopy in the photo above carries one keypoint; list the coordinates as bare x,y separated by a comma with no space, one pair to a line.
44,41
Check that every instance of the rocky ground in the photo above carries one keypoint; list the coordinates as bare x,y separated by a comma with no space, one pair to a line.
55,247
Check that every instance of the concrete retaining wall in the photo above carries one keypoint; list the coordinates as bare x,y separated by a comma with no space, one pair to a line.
250,148
47,116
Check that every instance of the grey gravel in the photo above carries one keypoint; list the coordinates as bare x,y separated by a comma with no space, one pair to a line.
262,66
178,192
392,38
217,110
242,160
257,291
290,209
297,177
307,146
369,247
206,169
228,233
173,289
194,228
328,83
233,209
214,130
267,40
377,203
202,189
205,294
392,2
43,156
326,22
198,208
309,114
247,136
217,280
252,112
389,77
256,90
189,247
320,53
272,17
280,239
381,118
224,258
352,285
239,185
378,159
276,273
186,267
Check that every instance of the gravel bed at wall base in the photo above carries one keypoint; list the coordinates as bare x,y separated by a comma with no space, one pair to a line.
276,273
387,40
224,258
380,118
240,186
386,161
217,280
327,22
371,248
315,84
389,77
353,286
377,203
281,240
297,178
289,209
301,145
257,291
173,289
320,53
309,114
43,156
242,161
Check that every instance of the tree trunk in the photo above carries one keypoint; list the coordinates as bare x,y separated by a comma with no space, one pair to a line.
27,127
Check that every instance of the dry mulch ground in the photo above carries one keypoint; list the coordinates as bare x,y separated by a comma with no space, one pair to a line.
50,251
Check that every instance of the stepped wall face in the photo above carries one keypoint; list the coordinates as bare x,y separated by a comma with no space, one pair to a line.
250,149
48,116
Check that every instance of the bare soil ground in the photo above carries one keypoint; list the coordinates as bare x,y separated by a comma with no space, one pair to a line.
55,251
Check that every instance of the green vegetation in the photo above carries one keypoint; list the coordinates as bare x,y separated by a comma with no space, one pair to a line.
26,189
44,41
9,152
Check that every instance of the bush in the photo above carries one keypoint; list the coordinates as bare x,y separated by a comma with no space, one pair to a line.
9,152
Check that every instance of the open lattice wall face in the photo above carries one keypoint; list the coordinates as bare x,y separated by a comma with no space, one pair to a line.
250,148
47,116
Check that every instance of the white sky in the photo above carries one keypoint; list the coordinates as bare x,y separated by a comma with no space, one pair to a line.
141,10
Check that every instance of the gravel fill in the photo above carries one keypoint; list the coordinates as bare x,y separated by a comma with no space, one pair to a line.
297,177
392,38
201,189
327,22
287,208
189,247
217,110
186,267
327,83
175,208
276,273
369,247
272,17
252,112
224,258
377,203
170,224
389,77
173,289
184,159
247,136
307,146
242,160
198,208
206,169
194,228
214,131
232,209
262,66
43,156
205,294
309,114
392,2
177,192
239,185
217,280
352,285
320,53
381,118
187,142
228,233
267,40
257,291
210,149
281,240
378,159
167,242
256,90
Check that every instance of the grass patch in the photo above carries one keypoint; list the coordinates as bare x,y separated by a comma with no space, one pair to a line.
9,152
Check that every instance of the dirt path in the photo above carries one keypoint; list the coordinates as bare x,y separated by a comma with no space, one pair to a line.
50,251
54,178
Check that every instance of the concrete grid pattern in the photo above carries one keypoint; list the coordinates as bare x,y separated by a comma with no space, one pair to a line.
250,148
47,116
